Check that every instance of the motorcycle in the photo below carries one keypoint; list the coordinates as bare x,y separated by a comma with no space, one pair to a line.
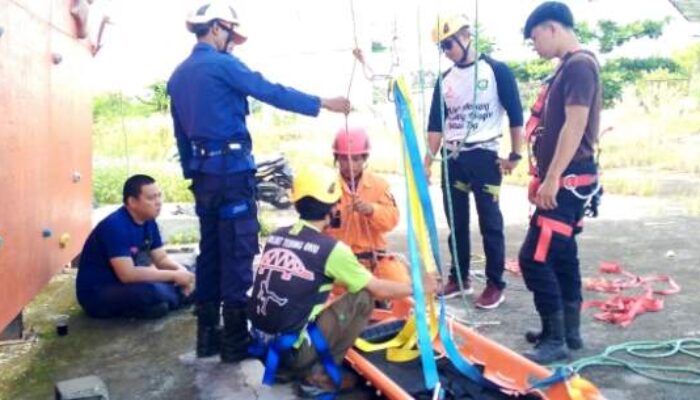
273,180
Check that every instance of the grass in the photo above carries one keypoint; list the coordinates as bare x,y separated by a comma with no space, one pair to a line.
651,141
28,368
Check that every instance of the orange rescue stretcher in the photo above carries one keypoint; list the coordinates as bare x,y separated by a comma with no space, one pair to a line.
508,369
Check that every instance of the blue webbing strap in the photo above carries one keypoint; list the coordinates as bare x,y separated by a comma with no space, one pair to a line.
425,345
324,353
282,343
413,152
275,348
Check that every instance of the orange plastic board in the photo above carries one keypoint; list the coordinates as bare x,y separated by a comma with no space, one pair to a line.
45,142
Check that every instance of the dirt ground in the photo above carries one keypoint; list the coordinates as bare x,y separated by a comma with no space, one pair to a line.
155,359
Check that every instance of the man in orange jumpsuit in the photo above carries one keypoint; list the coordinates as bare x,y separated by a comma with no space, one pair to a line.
367,210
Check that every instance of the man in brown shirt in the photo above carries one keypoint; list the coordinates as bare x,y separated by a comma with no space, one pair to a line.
566,179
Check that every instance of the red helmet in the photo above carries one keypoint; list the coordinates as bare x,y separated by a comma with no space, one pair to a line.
353,141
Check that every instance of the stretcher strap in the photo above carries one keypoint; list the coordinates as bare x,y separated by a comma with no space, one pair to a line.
547,227
402,347
418,191
420,206
413,167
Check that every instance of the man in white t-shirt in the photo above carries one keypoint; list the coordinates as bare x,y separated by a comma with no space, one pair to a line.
466,116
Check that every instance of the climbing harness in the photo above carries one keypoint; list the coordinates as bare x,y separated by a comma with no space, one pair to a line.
272,347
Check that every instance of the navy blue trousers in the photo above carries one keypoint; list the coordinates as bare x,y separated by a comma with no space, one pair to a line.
475,171
550,267
229,237
132,299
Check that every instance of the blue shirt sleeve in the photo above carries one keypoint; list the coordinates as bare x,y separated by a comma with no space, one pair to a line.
252,83
508,93
184,147
114,237
155,235
435,118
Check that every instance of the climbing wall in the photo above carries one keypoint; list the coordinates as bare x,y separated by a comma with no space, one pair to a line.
45,142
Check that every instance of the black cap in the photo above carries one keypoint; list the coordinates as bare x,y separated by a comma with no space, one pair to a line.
548,11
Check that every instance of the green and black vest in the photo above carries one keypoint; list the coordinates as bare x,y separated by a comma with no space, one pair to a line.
288,278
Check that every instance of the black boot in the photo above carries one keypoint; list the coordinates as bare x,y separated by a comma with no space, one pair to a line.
572,324
551,347
535,337
208,329
236,338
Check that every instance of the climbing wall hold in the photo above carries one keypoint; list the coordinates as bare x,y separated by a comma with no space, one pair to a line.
56,58
46,233
76,177
64,240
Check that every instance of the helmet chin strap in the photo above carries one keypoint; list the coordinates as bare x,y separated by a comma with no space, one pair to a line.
465,53
229,38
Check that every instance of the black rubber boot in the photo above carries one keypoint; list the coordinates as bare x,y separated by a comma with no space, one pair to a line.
551,347
572,324
535,337
208,329
236,338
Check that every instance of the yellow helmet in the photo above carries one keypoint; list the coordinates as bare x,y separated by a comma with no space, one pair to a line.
448,26
318,182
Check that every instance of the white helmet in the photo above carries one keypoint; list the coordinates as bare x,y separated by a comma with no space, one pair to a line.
216,9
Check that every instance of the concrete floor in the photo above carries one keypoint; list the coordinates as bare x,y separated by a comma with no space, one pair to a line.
154,360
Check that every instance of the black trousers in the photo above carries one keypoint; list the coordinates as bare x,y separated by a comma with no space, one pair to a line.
476,172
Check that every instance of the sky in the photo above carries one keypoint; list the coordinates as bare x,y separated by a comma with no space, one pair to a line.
307,43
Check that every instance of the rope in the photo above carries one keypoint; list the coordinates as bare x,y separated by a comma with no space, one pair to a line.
649,350
353,184
445,156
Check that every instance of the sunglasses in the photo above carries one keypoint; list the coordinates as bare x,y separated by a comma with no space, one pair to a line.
446,45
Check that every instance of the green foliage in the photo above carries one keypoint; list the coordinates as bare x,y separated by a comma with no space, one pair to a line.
110,106
609,34
108,179
484,43
532,70
378,47
618,73
184,237
157,98
689,59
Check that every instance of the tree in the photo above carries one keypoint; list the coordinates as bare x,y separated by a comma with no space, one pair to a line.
157,98
616,73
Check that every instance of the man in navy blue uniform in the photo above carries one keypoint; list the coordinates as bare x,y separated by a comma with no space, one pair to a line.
467,113
124,271
209,104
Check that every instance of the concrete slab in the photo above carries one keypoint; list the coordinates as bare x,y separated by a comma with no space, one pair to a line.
154,360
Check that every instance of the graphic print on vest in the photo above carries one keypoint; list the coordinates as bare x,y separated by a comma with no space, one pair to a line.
287,282
288,265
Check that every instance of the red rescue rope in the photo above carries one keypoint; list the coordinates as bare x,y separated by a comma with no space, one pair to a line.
620,309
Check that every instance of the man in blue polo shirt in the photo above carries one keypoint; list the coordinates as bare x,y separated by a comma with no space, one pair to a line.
209,104
124,271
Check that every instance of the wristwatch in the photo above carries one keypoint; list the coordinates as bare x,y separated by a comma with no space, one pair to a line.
514,156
